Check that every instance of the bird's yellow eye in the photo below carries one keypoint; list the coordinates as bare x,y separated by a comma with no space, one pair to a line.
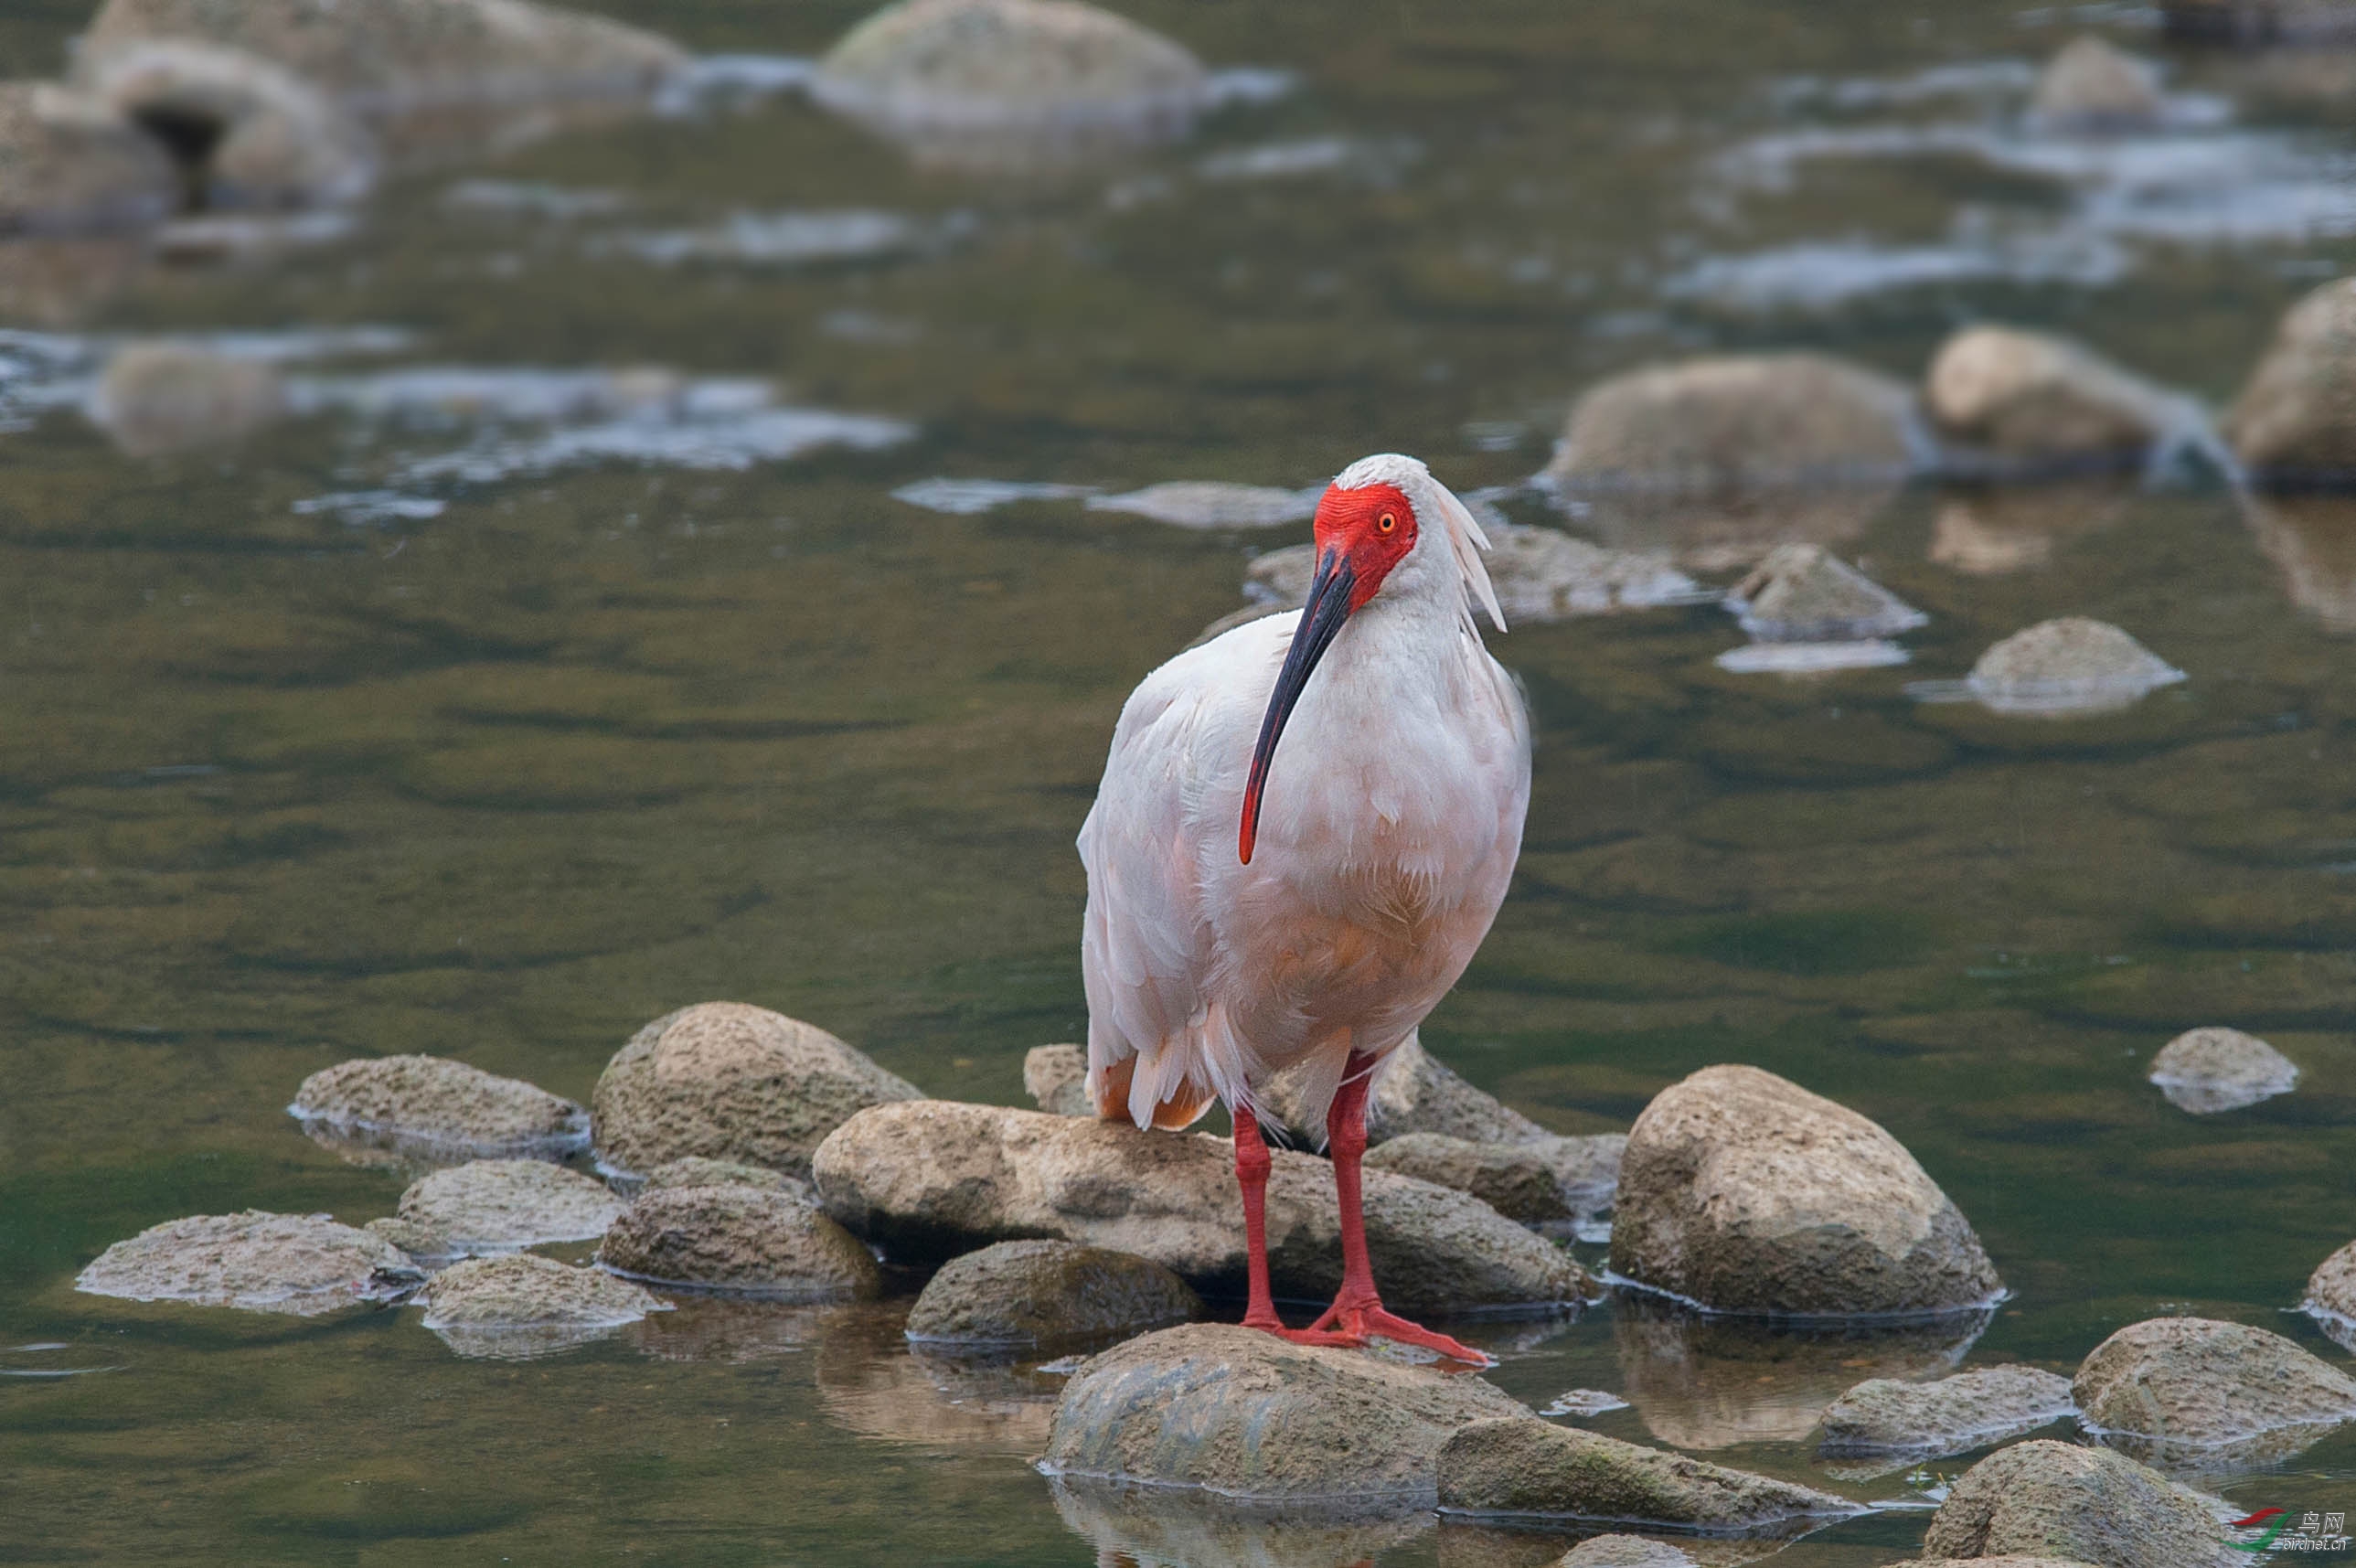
1386,522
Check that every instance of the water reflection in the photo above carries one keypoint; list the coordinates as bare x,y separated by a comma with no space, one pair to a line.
1993,532
1144,1527
874,1384
2311,539
1727,529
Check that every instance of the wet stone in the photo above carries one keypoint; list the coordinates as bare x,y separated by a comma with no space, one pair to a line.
2093,85
1549,1181
2179,1390
2065,667
520,1306
2212,1069
1208,504
2295,420
1188,1407
1584,1402
247,134
2332,1297
730,1081
1802,594
741,1239
69,165
160,398
440,1105
1625,1551
1884,1417
501,1205
1527,1468
1047,1292
697,1171
2030,402
304,1264
2043,1499
1057,1079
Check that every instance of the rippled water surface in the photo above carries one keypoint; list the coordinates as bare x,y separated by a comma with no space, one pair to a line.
571,658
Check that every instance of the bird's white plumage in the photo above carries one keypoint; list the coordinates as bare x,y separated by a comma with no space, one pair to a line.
1389,827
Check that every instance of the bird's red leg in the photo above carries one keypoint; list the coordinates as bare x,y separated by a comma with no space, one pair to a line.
1252,1164
1357,1313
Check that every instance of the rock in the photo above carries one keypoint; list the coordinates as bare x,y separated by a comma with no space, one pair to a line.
1208,504
732,1082
243,133
2295,420
1800,594
2189,1387
2332,1297
501,1205
441,1105
305,1264
2213,1069
1623,1552
2092,85
1746,1193
1047,1292
159,398
697,1171
2028,400
69,165
515,1307
1057,1079
1192,1406
425,75
1011,83
1540,574
745,1239
1525,1468
2311,539
933,1179
1416,1092
2041,1498
1547,1181
425,1246
1927,1420
2067,666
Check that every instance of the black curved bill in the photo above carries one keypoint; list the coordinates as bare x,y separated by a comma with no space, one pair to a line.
1321,618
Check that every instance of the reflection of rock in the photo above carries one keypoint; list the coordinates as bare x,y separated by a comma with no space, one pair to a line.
1530,1468
299,1263
1703,1383
1196,1406
1745,1193
2068,666
163,397
1418,1092
441,1105
516,1307
730,1329
57,283
2332,1297
1153,1526
874,1384
2041,1497
1047,1292
2190,1391
499,1206
1057,1079
1210,503
1010,84
747,1241
2311,539
71,164
734,1082
1546,1181
2030,400
935,1178
1989,532
1540,574
2092,85
244,133
2295,417
2212,1069
1800,594
1902,1422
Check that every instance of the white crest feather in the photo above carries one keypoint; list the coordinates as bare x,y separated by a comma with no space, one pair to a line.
1465,539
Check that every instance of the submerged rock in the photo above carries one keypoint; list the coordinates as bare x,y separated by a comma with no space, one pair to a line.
2295,420
304,1264
2332,1297
1057,1079
515,1307
1800,594
1744,1193
244,133
159,398
1011,83
2093,85
1906,1422
69,165
440,1105
2041,1498
1415,1092
2028,399
1046,1292
1547,1181
697,1171
2067,666
2188,1390
2311,539
1737,422
730,1081
1540,574
501,1205
1194,1407
1524,1468
2212,1069
747,1241
933,1179
1209,503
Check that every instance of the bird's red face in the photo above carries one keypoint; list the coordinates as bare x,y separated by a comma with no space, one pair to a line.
1361,535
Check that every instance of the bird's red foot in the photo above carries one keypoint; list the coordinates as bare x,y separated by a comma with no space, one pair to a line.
1357,1322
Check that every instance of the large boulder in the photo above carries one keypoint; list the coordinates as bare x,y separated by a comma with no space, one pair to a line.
2030,400
2214,1069
1549,1181
2295,420
518,1307
746,1240
935,1178
1245,1414
730,1081
2332,1297
443,1105
1746,1193
502,1205
2043,1500
2068,666
69,165
1046,1292
1905,1421
1011,83
1527,1468
1415,1092
2172,1388
304,1264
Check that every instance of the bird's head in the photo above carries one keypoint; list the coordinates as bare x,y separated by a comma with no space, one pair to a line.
1384,519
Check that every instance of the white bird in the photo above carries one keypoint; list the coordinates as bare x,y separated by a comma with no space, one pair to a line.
1252,912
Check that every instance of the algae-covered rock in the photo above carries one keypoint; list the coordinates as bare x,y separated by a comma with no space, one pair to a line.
1195,1407
2043,1500
1529,1468
500,1206
2068,666
69,165
2093,85
304,1264
2032,400
1546,1181
1883,1416
1046,1292
1057,1079
2212,1069
1801,594
730,1081
744,1239
2190,1389
440,1105
1746,1193
518,1307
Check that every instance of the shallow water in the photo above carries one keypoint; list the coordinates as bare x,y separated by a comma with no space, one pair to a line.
459,727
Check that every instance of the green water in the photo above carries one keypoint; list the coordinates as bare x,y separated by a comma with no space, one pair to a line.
503,784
